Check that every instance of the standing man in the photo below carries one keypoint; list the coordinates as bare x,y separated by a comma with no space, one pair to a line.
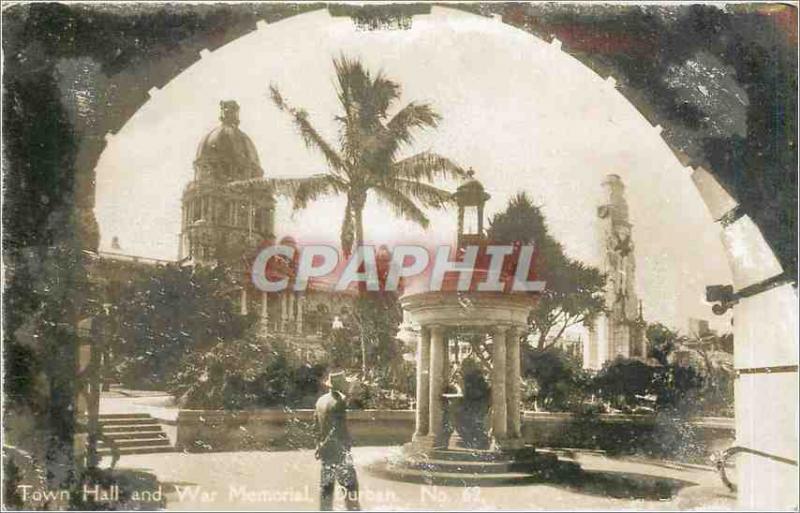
333,445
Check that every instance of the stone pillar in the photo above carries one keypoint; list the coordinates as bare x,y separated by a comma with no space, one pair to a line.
301,301
512,386
445,361
289,310
244,301
499,417
765,357
436,384
284,311
423,382
264,314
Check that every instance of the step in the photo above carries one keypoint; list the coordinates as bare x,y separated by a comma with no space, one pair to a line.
108,430
451,478
129,422
128,451
117,416
130,435
145,442
481,455
458,467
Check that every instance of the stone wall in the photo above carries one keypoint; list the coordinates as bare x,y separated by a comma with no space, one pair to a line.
199,431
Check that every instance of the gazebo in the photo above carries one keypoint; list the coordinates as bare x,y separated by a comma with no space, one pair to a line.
433,456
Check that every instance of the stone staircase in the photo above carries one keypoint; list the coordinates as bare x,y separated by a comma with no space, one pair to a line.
132,433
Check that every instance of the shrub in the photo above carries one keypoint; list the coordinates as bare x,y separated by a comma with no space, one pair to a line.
245,373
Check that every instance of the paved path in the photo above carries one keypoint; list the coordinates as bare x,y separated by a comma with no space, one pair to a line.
287,480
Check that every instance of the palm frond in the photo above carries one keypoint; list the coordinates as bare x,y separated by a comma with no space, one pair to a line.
300,190
313,187
427,166
260,185
311,137
399,130
429,195
402,205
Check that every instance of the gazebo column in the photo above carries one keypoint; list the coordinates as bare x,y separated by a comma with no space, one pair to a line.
436,415
512,386
423,383
499,416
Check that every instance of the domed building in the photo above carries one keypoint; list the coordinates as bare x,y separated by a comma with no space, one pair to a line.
221,226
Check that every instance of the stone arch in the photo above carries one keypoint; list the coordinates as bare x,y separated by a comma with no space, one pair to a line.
125,75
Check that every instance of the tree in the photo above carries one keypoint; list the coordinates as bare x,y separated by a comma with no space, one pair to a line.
559,380
367,158
163,315
574,290
662,341
620,382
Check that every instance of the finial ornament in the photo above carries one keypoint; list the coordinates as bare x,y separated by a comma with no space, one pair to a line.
229,112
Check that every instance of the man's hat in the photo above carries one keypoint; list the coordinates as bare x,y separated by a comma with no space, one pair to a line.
336,378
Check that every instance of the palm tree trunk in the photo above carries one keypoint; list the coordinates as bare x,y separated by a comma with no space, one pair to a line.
358,211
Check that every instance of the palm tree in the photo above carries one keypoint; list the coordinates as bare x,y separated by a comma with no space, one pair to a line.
367,158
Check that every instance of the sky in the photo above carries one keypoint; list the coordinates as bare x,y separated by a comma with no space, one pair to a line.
524,115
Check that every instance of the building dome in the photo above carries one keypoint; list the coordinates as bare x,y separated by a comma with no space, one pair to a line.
227,153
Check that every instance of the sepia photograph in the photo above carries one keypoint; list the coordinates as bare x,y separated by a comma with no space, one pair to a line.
393,256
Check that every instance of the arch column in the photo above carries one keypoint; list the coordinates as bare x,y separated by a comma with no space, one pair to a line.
423,383
765,356
499,412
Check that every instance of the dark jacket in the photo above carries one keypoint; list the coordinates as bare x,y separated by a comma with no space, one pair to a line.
333,438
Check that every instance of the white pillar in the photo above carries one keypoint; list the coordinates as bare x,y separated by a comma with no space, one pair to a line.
264,314
289,310
423,382
244,301
512,387
284,311
499,417
301,301
436,388
765,359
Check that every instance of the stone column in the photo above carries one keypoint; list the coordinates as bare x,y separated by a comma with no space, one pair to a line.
499,417
436,383
264,314
423,382
445,360
244,301
299,319
512,386
284,311
289,310
765,357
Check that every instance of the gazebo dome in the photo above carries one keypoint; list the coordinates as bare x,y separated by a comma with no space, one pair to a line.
471,192
227,153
